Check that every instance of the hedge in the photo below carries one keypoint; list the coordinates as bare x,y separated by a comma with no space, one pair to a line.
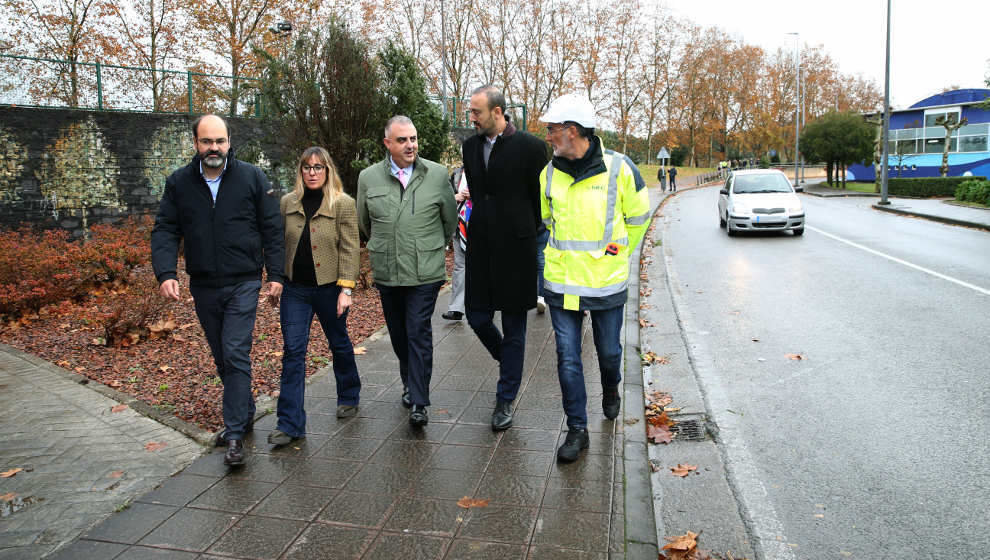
974,190
924,187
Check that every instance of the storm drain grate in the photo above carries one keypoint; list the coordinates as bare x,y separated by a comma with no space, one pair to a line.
689,430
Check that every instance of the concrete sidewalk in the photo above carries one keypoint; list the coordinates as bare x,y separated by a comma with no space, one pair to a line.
372,487
935,209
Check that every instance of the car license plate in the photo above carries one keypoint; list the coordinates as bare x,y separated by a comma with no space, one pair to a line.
769,219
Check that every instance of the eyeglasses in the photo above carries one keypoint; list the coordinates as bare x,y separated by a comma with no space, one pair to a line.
553,129
313,168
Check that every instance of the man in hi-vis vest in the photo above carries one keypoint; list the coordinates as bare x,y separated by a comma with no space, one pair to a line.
597,208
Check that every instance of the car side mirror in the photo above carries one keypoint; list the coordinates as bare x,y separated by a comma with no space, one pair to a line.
798,189
724,191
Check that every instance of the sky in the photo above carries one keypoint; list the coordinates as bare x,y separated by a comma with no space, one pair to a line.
926,54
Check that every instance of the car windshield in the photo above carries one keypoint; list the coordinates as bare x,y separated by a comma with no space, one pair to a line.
768,183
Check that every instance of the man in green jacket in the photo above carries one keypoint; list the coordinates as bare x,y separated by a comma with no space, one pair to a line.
406,210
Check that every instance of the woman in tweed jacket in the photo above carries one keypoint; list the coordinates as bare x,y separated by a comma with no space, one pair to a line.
321,264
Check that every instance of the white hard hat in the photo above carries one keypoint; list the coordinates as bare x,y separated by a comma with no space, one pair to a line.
572,107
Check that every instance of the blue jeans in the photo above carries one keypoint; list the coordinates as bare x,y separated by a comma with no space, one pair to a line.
605,327
408,312
541,244
508,347
227,317
298,305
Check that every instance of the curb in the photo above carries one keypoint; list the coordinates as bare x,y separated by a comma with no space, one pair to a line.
932,217
851,194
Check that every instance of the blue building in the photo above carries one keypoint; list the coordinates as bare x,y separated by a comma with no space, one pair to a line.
916,143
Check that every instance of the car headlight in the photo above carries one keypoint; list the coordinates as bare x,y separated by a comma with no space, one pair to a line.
796,209
740,209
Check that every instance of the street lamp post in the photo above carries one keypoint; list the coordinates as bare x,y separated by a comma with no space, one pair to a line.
797,102
886,118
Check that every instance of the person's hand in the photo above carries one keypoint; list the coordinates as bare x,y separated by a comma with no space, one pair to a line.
464,192
170,289
459,197
274,293
343,303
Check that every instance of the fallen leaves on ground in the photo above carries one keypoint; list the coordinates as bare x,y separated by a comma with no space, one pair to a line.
154,445
11,472
118,408
116,474
659,434
467,503
643,323
795,357
682,547
193,391
658,424
654,466
660,398
652,358
360,350
683,470
8,497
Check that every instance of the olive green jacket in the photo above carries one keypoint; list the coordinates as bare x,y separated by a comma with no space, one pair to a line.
333,233
407,231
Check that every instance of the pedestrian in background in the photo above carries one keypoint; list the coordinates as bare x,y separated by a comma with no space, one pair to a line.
672,174
462,196
597,208
406,210
225,213
321,268
503,166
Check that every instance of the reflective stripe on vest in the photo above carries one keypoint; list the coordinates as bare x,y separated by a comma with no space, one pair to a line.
585,291
613,195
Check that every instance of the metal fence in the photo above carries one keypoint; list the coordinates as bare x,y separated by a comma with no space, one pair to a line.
44,82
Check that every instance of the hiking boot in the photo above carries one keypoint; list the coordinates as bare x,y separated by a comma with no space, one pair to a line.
576,440
611,402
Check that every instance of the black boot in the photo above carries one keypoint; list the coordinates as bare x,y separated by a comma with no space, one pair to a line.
576,440
611,402
418,416
502,417
234,457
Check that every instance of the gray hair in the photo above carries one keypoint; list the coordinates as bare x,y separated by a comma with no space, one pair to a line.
401,119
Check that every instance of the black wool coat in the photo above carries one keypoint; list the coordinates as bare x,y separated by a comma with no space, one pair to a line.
500,264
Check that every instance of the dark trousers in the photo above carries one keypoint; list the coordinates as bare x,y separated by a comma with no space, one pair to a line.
298,305
408,310
227,317
606,325
507,347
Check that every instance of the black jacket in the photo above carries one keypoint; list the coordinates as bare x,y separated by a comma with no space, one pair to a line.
500,264
226,242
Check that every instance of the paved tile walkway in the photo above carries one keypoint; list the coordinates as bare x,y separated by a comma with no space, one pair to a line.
80,460
372,487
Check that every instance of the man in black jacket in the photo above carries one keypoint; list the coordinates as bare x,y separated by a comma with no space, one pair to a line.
503,168
228,216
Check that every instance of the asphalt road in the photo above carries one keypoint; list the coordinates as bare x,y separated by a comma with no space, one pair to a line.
874,445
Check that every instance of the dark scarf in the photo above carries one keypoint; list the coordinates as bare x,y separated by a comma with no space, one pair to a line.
588,165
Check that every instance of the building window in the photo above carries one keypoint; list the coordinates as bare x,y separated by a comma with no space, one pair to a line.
951,114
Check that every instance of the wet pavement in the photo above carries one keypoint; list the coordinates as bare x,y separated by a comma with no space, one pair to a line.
373,487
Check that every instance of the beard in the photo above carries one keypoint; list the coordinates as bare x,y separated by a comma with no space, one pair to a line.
214,159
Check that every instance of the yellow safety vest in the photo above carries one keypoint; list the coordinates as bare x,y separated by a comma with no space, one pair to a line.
589,220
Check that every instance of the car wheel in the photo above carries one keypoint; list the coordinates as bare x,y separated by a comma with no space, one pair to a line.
798,231
721,221
728,228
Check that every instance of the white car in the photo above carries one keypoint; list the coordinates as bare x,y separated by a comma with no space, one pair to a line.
760,200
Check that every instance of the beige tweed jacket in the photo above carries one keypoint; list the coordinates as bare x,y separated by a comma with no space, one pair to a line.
333,233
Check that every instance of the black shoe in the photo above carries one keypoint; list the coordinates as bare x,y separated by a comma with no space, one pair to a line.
611,402
406,399
502,416
575,441
418,416
453,315
234,457
222,437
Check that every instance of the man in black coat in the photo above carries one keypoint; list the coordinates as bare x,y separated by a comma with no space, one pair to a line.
503,167
227,215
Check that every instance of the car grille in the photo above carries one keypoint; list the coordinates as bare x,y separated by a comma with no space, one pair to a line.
768,210
770,225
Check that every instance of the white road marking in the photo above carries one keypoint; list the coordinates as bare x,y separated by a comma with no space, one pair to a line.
973,287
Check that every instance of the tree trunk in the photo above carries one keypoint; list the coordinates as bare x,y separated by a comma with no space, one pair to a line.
828,173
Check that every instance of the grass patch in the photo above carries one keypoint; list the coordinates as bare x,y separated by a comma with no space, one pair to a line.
970,204
850,186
